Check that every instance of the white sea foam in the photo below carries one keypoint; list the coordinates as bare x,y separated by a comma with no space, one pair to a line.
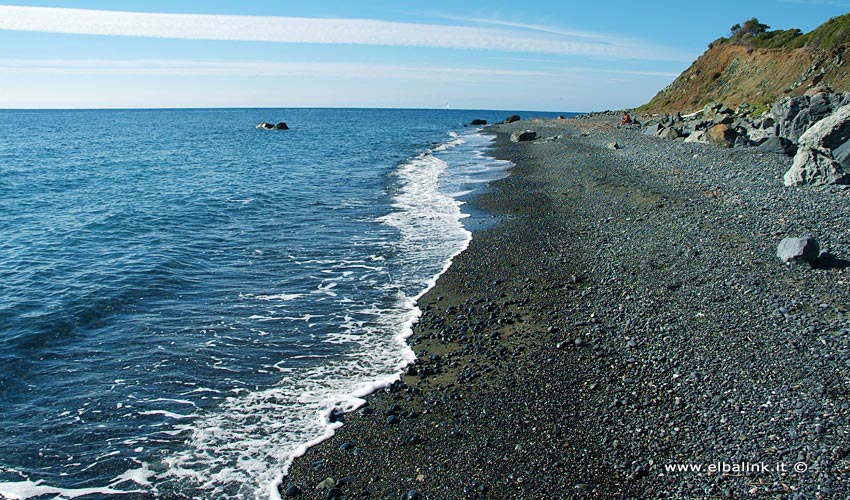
30,489
280,297
169,414
243,447
140,476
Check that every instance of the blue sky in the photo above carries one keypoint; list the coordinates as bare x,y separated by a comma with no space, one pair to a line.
531,55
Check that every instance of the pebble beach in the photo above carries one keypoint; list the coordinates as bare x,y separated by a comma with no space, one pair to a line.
625,330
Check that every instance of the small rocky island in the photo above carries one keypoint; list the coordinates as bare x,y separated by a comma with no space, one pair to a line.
269,126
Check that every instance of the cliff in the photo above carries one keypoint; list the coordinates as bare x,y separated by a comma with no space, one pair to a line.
759,67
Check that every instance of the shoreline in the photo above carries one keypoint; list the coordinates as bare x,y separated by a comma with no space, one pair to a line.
626,313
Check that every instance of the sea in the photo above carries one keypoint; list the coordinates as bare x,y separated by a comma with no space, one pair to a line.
184,298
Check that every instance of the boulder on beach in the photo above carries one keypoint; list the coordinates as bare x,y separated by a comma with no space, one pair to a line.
778,145
696,136
793,250
478,121
653,129
269,126
815,162
512,118
669,133
721,135
523,136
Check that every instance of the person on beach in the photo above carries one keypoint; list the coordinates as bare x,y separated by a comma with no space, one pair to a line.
626,118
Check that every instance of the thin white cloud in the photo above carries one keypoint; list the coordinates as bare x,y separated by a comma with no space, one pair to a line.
618,42
238,68
609,39
315,30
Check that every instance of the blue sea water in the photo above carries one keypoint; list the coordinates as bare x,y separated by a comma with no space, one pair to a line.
183,297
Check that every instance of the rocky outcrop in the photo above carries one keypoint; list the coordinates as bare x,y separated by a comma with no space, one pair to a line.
269,126
815,162
512,118
795,115
478,121
817,121
523,136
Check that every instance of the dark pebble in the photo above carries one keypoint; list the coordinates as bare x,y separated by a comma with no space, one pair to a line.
333,493
292,491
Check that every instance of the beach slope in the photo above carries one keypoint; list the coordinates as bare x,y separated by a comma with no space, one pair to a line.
628,316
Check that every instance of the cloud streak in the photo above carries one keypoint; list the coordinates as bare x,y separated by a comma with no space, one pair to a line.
303,30
240,68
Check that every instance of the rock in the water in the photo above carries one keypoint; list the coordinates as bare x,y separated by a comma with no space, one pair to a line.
814,162
478,121
522,136
721,135
778,145
805,249
336,415
512,118
269,126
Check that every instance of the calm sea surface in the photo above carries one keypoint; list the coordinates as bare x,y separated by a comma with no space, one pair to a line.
183,297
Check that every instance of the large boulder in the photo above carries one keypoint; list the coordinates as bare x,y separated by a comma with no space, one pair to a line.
814,162
478,121
653,129
793,250
512,118
721,135
523,136
669,133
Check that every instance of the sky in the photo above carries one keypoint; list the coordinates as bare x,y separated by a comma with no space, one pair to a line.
475,54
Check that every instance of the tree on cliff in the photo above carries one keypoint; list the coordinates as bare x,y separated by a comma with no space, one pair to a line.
751,28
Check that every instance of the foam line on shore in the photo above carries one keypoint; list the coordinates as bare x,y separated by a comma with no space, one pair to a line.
407,202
